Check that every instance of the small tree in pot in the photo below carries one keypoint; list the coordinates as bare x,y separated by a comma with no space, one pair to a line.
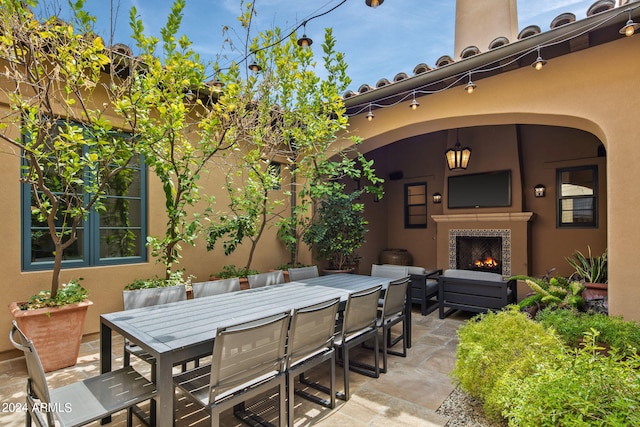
71,154
338,230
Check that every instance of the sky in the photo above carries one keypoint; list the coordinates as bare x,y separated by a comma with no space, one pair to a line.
377,43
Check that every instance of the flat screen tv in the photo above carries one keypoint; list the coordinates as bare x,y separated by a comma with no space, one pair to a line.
480,190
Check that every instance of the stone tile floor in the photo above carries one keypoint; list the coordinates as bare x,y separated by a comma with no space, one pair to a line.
407,395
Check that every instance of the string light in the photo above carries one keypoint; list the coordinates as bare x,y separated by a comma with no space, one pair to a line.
630,27
470,87
373,3
539,62
504,62
370,114
414,104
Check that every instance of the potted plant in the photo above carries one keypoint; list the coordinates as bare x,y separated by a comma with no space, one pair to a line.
229,271
67,167
338,230
592,270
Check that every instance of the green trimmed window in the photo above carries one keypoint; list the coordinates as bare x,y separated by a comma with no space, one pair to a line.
116,235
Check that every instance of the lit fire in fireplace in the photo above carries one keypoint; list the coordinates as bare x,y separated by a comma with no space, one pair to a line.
488,262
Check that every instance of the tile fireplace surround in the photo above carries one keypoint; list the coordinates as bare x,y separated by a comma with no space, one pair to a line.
512,228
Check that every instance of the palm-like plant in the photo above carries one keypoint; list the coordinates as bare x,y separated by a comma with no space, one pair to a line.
588,268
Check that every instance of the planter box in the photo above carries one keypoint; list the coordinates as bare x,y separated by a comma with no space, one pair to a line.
244,282
593,291
56,332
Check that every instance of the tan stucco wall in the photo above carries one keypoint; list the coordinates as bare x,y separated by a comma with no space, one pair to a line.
478,23
591,90
105,284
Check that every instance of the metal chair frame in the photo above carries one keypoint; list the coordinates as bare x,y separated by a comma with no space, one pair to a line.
358,326
215,287
310,343
248,360
391,313
83,402
265,279
301,273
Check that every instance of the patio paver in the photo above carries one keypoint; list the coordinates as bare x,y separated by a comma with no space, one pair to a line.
407,395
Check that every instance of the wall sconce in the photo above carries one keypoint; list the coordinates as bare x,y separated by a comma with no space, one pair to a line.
539,190
437,198
458,157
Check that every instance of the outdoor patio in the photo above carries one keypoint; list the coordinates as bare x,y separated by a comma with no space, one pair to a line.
408,394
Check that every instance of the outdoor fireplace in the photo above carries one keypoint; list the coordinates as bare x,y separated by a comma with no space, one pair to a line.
480,249
479,253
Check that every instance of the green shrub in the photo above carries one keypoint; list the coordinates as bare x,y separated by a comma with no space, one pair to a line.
71,293
229,271
614,332
581,387
493,344
156,282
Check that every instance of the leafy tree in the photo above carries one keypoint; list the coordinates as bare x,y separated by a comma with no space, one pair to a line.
289,115
185,124
54,73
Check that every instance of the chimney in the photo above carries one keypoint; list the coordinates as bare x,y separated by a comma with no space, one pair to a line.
478,23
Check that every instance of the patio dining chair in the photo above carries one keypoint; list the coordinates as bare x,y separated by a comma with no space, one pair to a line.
248,360
301,273
215,287
139,298
358,326
310,343
83,402
389,271
391,313
265,279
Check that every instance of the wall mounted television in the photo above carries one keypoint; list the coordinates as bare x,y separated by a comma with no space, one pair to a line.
480,190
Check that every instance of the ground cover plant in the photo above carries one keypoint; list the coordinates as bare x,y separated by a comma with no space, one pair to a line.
614,332
524,372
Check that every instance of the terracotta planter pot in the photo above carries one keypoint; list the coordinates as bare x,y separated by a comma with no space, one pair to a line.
594,291
55,332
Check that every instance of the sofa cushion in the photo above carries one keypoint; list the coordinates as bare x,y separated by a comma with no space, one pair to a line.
473,275
412,269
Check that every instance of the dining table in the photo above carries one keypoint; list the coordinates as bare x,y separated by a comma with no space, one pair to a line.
184,330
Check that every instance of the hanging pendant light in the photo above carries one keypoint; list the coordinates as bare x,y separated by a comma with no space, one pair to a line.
253,66
630,27
414,103
370,114
458,157
539,62
470,87
373,3
304,41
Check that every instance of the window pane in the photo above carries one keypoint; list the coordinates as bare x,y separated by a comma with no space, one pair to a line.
577,211
125,184
42,248
577,197
415,209
577,183
119,243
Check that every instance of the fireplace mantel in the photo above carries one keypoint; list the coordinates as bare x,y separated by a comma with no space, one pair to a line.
499,216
